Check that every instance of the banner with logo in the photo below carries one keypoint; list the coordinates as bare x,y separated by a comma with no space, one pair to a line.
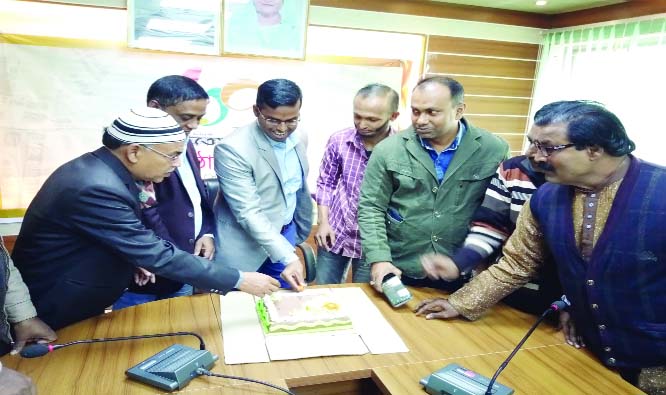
56,98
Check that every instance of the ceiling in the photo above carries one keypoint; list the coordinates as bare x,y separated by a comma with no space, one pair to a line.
552,7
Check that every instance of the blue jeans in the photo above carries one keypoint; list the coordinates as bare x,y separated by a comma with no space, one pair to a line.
129,299
332,268
274,269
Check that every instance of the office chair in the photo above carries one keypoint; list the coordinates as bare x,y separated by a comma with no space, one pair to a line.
309,257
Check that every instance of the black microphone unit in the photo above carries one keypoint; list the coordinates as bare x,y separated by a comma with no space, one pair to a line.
453,379
170,369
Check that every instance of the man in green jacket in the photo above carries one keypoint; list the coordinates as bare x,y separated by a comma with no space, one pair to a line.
422,186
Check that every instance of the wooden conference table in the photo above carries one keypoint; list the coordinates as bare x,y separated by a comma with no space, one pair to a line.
545,365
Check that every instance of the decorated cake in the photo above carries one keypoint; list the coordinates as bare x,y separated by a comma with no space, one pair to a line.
310,310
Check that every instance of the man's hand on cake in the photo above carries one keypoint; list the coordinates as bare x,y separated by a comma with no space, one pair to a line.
293,274
258,284
436,308
379,271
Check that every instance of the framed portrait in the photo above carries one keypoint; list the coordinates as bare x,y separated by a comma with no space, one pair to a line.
175,25
266,27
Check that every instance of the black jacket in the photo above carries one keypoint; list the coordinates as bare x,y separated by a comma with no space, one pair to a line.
172,219
82,237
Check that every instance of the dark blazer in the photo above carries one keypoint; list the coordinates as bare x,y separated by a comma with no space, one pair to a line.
82,237
172,219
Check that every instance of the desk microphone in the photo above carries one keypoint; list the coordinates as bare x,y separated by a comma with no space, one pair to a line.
555,306
455,379
37,350
169,369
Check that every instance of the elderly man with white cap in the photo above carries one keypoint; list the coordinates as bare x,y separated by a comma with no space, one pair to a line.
82,235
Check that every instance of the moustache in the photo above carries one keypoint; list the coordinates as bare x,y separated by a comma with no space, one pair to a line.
543,167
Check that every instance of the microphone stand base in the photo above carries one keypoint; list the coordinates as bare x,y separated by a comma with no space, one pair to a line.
173,367
453,379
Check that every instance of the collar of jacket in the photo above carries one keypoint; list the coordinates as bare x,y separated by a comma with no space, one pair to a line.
469,144
106,156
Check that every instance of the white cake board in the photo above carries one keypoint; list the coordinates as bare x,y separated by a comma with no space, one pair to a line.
245,341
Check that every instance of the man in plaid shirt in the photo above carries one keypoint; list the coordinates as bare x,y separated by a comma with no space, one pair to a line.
339,184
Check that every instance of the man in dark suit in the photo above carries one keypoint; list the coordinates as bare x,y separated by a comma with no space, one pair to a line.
82,235
180,212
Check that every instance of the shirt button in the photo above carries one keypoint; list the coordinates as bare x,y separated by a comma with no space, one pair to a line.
434,190
191,241
611,361
190,214
607,349
602,327
588,226
595,306
593,195
590,282
589,216
435,238
437,214
591,204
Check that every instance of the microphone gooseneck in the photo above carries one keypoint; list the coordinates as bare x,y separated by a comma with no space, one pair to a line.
38,350
555,306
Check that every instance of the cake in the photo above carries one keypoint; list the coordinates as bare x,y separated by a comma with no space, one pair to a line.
310,310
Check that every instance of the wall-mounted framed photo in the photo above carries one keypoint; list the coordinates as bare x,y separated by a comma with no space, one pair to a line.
266,27
175,25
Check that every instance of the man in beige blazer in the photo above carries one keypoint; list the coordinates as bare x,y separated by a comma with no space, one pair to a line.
264,207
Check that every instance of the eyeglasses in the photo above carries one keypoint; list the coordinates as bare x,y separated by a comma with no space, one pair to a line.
290,123
172,158
548,150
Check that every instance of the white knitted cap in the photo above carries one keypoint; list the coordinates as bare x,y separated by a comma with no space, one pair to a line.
146,126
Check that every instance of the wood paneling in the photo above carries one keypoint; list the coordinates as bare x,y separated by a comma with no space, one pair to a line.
499,124
472,46
496,105
630,9
498,79
496,86
441,10
466,65
515,140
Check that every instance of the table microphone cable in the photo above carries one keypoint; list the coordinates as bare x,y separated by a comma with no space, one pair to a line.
204,372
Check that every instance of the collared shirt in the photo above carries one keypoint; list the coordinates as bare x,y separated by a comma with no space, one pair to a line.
339,185
186,174
443,159
291,172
